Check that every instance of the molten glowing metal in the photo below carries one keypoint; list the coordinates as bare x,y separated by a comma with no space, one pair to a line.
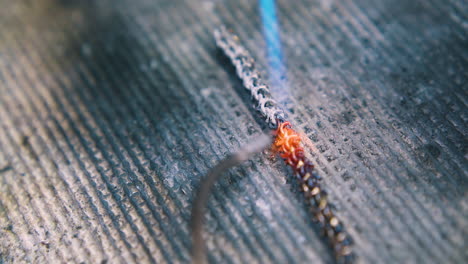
288,144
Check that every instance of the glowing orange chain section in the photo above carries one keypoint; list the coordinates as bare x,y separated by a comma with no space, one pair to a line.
287,141
288,144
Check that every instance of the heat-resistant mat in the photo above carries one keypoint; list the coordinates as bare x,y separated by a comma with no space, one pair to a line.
112,111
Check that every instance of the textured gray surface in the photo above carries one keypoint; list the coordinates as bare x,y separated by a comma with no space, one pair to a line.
110,114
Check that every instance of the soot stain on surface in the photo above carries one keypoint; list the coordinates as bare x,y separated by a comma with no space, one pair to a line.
25,142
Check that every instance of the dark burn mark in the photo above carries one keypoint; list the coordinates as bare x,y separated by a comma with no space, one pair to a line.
46,244
6,168
433,150
27,145
8,227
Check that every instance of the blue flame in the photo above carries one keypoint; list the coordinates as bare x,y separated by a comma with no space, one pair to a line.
273,43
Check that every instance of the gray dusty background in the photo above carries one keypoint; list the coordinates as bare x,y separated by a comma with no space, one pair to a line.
112,111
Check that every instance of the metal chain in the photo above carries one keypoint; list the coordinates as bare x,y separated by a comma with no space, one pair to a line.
288,144
245,67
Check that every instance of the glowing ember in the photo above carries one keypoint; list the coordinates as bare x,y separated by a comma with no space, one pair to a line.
288,144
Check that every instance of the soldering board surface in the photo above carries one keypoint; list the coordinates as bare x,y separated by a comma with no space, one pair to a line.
111,112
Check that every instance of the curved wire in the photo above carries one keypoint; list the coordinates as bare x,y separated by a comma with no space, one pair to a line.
204,191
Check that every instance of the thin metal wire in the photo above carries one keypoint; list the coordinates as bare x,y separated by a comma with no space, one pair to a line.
204,191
